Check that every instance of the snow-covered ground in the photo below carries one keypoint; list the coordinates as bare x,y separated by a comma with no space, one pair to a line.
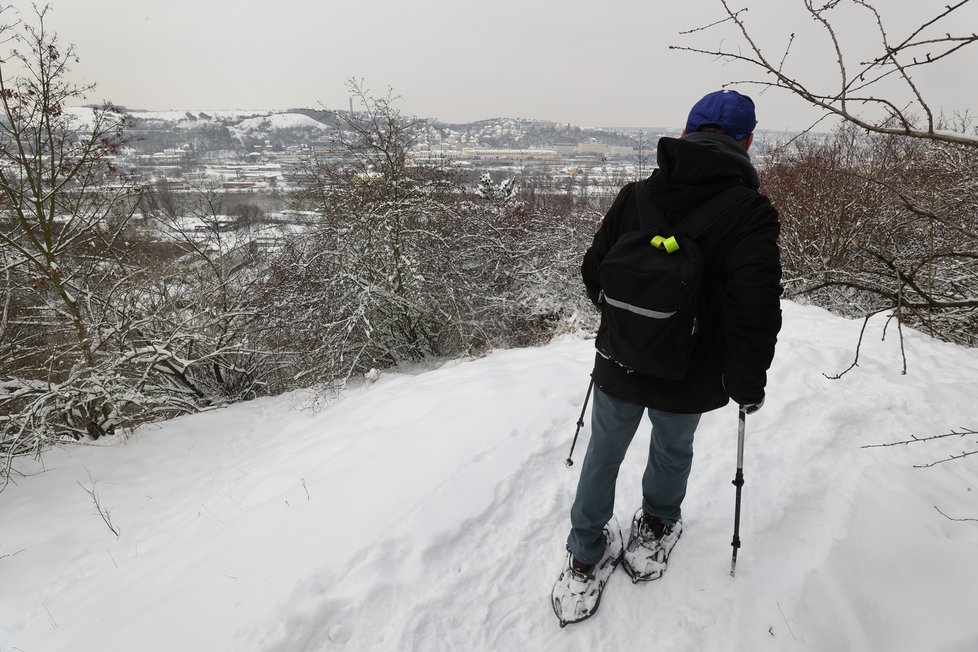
427,511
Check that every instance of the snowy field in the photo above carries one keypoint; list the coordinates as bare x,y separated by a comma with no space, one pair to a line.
427,511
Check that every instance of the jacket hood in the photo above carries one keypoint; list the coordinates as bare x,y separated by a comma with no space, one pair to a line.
706,159
694,168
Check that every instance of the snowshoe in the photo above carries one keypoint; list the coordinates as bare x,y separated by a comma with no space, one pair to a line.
576,594
649,546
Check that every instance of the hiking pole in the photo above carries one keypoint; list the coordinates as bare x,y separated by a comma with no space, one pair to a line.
739,483
580,423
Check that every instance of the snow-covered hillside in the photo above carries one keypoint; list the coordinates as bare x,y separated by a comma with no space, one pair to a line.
427,511
244,126
281,121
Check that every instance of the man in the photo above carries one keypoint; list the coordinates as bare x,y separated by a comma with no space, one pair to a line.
738,320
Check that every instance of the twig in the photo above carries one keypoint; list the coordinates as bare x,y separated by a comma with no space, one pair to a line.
719,22
308,498
914,439
903,349
791,39
951,518
207,509
53,623
946,459
785,618
899,319
102,511
13,554
855,361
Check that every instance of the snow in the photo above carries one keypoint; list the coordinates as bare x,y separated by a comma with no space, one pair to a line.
427,510
265,125
82,119
281,121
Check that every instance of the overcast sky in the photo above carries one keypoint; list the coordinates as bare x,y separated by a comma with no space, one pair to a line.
591,63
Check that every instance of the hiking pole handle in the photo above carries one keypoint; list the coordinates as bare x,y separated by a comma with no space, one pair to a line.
580,424
738,482
741,427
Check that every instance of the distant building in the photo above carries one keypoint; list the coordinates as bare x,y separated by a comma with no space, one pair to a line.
592,148
604,149
510,153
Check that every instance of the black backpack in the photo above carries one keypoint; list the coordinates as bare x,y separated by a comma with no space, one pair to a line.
650,281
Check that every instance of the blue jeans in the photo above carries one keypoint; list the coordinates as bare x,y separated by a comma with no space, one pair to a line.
613,424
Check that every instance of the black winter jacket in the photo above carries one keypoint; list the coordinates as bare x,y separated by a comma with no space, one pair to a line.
740,301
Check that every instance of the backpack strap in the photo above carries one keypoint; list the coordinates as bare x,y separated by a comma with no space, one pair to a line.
696,223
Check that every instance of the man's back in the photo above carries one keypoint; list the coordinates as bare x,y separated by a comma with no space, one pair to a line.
740,310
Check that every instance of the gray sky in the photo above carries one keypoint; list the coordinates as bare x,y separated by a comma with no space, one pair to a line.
586,62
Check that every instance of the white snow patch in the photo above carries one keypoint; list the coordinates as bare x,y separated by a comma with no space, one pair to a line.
281,121
82,119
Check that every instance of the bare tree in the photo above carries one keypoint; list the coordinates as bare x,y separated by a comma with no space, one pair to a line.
644,155
105,324
64,207
863,91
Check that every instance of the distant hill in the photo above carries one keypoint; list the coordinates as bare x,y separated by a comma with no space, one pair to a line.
224,129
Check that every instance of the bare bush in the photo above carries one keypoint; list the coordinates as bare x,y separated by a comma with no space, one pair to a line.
203,329
105,323
861,245
63,206
407,262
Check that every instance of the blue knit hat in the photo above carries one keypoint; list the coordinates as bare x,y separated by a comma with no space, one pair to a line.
727,109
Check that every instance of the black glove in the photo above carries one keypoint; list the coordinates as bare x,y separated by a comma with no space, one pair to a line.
596,295
751,408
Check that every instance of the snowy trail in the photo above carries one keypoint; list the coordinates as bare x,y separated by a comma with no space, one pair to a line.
428,511
452,593
427,581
